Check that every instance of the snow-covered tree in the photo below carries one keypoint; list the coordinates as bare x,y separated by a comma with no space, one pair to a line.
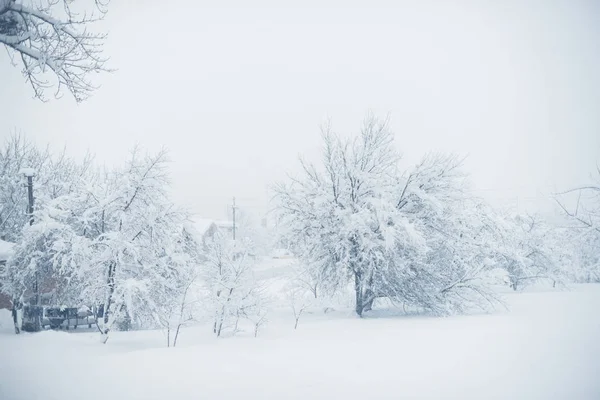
585,211
581,208
457,230
233,292
45,260
576,253
116,242
135,234
55,174
50,39
179,302
55,177
177,306
300,299
399,236
588,257
529,251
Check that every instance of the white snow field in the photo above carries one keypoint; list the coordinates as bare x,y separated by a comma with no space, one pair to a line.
546,347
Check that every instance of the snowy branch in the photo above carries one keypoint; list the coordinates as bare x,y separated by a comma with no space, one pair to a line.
60,47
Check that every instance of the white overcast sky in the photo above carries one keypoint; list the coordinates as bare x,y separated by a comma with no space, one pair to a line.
236,92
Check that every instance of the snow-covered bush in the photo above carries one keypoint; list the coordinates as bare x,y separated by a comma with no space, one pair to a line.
300,300
233,293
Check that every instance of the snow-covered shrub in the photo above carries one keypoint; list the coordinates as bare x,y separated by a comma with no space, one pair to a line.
233,293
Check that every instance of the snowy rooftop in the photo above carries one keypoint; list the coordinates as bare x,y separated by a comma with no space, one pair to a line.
201,225
5,250
224,224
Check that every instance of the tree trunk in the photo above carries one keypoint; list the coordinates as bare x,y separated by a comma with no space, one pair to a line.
358,293
513,283
369,294
176,335
125,324
37,319
223,309
15,315
109,301
370,298
220,326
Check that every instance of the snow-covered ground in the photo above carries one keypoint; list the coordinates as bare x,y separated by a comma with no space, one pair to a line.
546,347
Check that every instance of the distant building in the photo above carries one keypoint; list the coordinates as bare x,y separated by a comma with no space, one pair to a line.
205,229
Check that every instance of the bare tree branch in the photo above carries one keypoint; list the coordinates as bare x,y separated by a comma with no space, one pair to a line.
54,46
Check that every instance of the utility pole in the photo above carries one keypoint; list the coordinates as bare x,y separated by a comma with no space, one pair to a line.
34,310
37,325
30,196
29,176
233,208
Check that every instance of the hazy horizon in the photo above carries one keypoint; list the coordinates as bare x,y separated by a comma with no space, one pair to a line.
242,92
